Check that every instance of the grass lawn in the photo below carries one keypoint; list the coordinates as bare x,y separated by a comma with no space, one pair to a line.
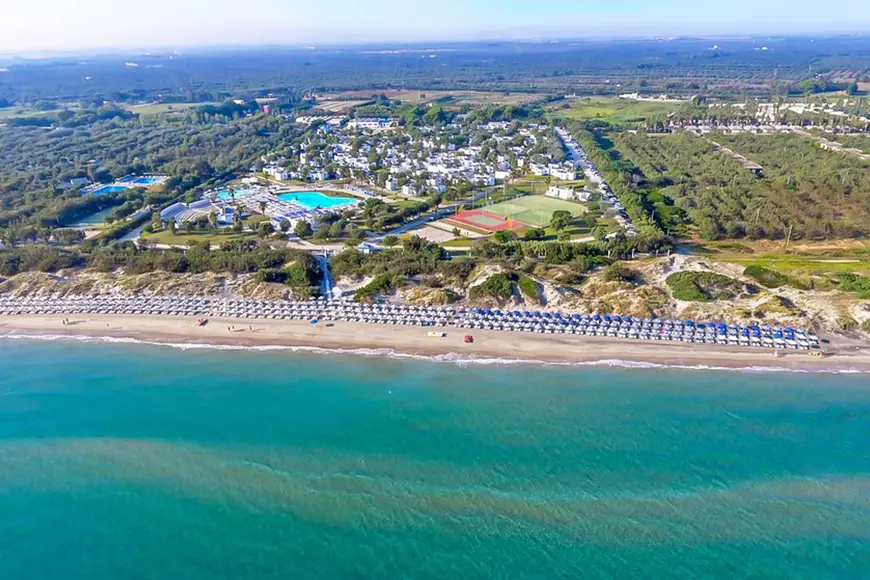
180,238
534,210
255,218
459,243
803,262
613,110
573,230
10,112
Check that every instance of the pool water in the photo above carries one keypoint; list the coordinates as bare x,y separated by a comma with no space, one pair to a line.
96,219
146,180
314,199
109,189
239,193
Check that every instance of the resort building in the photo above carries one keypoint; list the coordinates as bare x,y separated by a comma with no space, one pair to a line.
565,193
370,123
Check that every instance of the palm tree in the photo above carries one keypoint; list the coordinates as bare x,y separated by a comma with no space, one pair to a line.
263,207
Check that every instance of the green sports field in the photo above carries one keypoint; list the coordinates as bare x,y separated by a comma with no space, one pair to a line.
534,210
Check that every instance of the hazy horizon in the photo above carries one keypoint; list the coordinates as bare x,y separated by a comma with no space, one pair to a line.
52,26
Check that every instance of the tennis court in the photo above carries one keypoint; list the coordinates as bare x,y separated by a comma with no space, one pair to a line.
484,220
534,210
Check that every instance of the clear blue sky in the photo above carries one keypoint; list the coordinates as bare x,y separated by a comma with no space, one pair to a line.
34,25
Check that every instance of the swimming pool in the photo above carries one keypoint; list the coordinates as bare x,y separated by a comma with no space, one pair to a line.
314,199
109,189
239,193
147,180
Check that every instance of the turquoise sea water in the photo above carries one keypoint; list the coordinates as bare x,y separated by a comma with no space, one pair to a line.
136,461
315,199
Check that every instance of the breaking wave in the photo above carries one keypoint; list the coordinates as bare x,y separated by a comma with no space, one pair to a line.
458,359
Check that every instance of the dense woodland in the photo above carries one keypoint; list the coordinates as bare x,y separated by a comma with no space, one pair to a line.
684,65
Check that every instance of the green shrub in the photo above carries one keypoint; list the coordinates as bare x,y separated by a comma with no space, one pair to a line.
380,285
498,286
619,273
851,282
528,287
703,286
769,278
866,326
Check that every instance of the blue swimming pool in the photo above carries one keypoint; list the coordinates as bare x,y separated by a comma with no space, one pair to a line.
239,193
146,180
109,189
314,199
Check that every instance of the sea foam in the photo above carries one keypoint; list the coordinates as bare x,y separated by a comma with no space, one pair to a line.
458,359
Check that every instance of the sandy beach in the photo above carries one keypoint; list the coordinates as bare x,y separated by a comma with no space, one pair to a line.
416,340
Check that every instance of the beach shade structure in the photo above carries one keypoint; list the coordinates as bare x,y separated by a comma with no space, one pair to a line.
313,321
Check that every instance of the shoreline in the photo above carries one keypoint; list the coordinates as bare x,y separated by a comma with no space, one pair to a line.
411,340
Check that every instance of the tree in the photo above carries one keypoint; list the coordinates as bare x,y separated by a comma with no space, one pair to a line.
285,226
265,229
303,229
171,223
456,232
535,234
188,227
391,240
505,236
336,229
263,207
560,220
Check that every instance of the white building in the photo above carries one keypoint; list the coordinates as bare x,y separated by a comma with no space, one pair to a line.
278,173
564,173
566,193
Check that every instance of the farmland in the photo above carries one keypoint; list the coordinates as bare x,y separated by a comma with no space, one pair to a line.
446,98
150,109
614,110
810,192
339,106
